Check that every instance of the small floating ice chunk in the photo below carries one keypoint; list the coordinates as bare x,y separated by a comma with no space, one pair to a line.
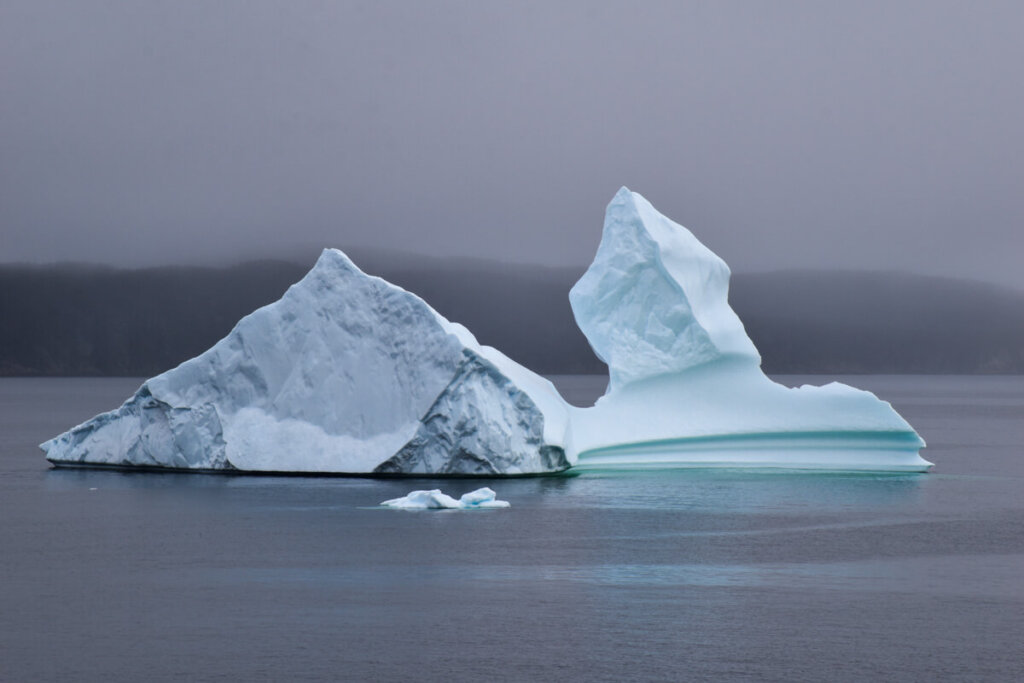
423,500
482,498
436,500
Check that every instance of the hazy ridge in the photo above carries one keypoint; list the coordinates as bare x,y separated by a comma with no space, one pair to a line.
93,320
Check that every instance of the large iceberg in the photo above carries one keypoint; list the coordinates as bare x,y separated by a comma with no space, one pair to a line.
350,374
346,374
686,387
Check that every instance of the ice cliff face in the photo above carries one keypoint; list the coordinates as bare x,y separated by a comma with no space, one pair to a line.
346,373
467,429
686,384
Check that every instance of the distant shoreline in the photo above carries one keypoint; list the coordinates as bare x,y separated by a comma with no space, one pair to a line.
61,321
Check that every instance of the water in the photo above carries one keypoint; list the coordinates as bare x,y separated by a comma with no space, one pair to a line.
686,575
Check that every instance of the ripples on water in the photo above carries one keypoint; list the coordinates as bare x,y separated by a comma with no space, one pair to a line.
680,575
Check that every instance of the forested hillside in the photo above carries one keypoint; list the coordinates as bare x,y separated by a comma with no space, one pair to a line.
86,320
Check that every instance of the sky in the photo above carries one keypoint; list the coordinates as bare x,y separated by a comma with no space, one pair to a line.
859,135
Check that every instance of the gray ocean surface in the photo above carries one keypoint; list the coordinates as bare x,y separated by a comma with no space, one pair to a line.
684,575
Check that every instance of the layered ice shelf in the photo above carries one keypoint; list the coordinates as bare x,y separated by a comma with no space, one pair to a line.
686,387
350,374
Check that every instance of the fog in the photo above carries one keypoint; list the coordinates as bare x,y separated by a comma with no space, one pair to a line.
872,135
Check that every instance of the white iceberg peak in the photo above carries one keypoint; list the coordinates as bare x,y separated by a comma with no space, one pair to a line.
340,375
655,300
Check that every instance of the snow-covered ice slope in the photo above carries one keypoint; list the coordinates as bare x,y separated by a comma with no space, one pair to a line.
346,373
686,387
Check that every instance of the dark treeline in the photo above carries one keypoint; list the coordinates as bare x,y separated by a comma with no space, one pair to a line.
883,322
84,320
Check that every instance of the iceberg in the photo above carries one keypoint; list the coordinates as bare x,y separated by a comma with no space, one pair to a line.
350,374
685,382
435,500
345,374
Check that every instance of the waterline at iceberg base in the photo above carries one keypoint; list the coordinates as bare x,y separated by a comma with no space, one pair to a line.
349,374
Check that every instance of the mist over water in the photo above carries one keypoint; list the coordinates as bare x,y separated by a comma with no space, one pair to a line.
695,574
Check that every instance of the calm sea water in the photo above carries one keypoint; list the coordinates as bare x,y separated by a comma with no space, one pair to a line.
674,576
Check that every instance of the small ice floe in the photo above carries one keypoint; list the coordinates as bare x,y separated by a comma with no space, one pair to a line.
435,500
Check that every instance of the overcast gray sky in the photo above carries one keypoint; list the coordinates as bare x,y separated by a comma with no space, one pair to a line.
784,134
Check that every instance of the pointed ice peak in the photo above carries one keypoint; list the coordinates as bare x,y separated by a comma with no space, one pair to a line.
332,258
655,300
335,376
